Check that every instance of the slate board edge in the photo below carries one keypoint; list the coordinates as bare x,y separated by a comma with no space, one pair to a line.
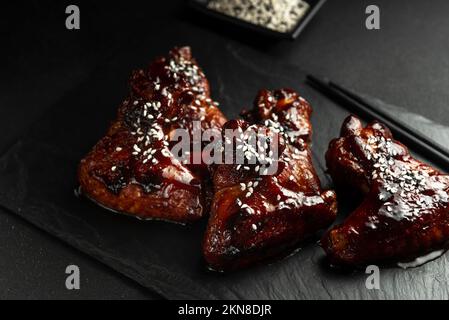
169,289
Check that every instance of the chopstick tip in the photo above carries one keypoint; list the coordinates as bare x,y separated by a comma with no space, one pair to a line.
314,79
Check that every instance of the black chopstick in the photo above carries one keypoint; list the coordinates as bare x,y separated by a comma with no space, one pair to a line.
356,104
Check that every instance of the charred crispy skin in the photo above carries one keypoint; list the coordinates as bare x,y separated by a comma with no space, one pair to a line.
254,216
131,169
405,210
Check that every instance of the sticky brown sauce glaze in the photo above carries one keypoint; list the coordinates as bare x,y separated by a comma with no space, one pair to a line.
404,213
258,215
171,94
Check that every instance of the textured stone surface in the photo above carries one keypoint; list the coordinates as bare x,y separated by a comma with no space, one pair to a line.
38,178
405,63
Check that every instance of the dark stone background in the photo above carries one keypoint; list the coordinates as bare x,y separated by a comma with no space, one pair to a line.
405,63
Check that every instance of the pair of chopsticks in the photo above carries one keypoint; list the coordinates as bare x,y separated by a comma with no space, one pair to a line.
403,132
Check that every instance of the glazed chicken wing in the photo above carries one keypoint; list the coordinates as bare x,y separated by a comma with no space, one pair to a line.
404,213
131,169
257,214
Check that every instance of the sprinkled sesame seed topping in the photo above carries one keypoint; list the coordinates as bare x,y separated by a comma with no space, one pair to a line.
404,185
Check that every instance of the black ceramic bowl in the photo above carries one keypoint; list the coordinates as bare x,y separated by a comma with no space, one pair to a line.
315,5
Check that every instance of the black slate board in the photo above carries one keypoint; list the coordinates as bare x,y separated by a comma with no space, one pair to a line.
37,181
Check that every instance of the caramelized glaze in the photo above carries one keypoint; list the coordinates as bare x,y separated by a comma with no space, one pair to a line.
255,216
404,213
132,169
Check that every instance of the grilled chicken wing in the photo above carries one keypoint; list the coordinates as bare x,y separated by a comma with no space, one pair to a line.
405,210
131,169
258,214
